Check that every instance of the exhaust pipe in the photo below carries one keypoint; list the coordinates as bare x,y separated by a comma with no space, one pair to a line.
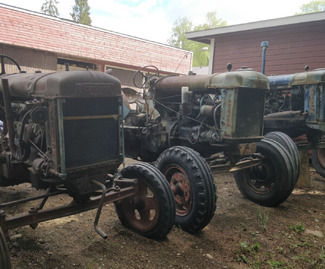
264,46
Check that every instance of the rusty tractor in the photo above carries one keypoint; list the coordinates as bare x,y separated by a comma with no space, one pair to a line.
182,123
295,106
62,134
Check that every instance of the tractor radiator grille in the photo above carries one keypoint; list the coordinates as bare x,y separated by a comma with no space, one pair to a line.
91,131
242,114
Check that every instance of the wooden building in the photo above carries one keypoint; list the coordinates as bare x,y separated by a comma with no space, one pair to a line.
294,42
41,42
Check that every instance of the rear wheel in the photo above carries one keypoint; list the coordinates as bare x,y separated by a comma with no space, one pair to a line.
151,212
193,186
4,253
271,182
318,161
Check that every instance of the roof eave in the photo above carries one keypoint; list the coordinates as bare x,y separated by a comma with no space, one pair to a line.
205,36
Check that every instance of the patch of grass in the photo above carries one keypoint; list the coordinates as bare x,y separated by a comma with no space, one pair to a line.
245,247
256,246
274,264
263,217
298,228
248,250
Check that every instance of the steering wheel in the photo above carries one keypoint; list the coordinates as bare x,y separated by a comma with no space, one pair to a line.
2,60
146,78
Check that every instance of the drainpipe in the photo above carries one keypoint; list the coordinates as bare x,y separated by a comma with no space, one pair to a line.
264,46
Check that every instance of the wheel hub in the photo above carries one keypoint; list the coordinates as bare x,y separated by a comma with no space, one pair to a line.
181,188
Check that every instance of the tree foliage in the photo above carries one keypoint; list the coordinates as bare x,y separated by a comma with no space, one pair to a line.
200,51
50,7
312,6
81,12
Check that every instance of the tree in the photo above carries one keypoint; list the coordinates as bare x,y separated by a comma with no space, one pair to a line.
49,7
81,12
312,6
200,50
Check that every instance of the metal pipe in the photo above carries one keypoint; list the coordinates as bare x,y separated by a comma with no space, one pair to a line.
264,46
100,206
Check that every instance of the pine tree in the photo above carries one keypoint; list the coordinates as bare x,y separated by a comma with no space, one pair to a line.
81,12
49,7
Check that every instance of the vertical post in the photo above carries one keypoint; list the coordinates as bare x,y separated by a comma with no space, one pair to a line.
264,46
304,177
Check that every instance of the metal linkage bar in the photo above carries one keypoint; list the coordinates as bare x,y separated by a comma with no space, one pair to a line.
34,217
31,199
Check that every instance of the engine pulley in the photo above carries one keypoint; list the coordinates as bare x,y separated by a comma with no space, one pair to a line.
39,115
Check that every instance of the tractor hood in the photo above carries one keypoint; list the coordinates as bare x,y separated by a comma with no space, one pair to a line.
228,80
62,84
316,76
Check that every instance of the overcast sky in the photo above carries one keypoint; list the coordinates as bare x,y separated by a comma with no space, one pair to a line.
153,19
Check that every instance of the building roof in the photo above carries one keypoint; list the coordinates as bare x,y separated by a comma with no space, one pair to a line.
24,28
205,36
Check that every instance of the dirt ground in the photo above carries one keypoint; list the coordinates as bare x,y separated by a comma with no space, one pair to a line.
241,235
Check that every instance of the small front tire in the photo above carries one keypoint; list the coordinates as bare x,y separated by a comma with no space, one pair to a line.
151,212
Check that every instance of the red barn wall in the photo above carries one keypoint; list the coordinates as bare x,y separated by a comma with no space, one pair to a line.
291,47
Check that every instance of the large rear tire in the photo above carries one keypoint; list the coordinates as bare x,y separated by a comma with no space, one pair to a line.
318,160
271,182
151,212
193,186
4,253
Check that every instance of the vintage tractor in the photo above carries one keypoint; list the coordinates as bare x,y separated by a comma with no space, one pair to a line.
295,105
62,133
220,116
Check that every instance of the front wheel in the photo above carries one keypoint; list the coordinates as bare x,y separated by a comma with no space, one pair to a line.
151,212
193,186
271,182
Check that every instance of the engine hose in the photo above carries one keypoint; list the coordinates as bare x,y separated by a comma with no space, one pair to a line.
22,151
215,120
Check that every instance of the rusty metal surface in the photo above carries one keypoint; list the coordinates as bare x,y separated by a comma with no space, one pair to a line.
247,149
63,84
32,217
311,77
201,83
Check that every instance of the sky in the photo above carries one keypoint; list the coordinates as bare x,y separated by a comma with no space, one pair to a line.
153,19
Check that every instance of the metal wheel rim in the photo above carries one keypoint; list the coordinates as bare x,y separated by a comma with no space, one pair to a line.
181,187
261,178
142,210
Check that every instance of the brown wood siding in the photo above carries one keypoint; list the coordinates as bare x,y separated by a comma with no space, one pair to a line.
290,48
28,59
